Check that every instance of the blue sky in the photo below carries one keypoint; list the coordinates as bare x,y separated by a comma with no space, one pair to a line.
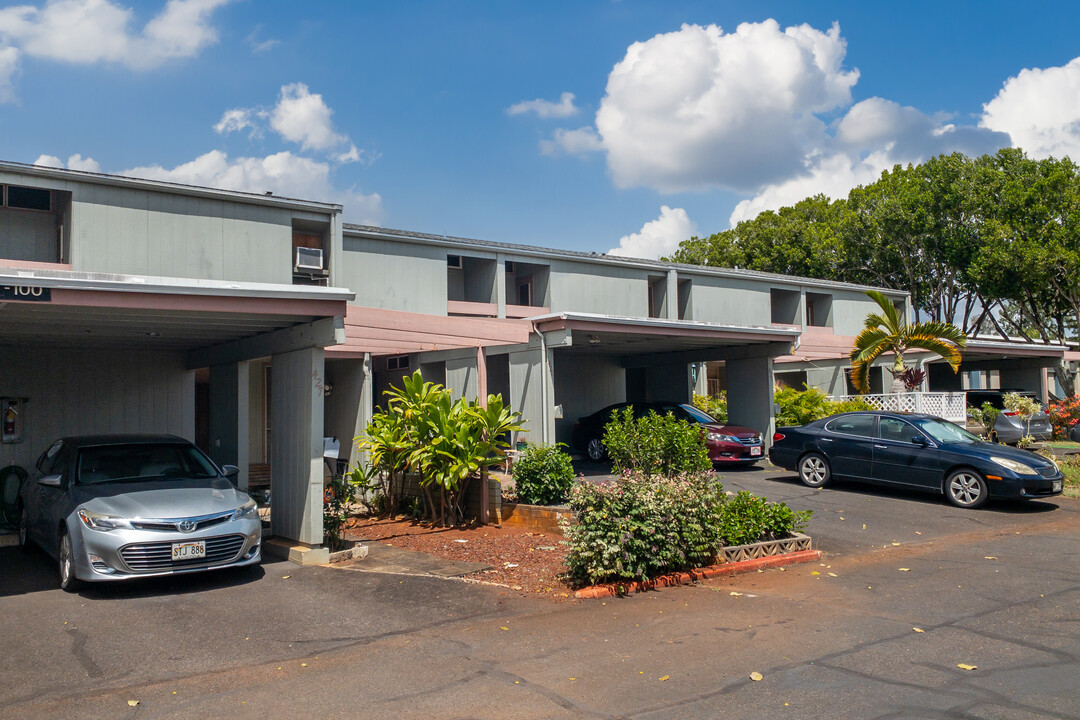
453,117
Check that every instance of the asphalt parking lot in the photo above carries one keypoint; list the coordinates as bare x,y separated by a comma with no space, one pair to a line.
996,589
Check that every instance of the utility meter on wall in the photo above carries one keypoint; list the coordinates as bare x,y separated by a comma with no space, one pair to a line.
11,420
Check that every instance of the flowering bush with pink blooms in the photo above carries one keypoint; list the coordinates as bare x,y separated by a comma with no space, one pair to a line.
641,526
1064,415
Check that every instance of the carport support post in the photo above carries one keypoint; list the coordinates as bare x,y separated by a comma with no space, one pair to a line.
229,417
296,468
750,395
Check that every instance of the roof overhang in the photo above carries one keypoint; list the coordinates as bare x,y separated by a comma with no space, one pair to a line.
656,341
53,308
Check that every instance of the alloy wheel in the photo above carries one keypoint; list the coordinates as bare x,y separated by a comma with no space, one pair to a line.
966,489
814,471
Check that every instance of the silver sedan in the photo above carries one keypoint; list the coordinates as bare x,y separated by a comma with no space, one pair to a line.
123,506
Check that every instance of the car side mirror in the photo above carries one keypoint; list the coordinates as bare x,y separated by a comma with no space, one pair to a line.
230,471
51,480
919,440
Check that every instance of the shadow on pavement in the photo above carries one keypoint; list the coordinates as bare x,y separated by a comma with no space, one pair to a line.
1010,507
34,571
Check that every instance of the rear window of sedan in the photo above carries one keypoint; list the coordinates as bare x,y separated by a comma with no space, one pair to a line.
141,461
853,425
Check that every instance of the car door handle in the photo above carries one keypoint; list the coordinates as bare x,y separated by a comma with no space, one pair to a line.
882,447
825,439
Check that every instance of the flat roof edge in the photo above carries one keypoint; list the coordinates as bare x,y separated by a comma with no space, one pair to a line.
73,280
166,186
602,258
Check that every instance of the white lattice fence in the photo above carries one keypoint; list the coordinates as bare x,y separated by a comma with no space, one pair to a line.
949,405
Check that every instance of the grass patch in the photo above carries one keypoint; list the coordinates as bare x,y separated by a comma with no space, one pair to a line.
1065,444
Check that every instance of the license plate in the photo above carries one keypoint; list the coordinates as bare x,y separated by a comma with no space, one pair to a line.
189,550
755,451
1057,486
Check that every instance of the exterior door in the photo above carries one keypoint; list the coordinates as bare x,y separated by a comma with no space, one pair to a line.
849,445
899,461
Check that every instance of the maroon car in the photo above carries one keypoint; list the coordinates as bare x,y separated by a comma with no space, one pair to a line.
727,444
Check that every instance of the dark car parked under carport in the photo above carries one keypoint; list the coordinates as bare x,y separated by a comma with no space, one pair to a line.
921,452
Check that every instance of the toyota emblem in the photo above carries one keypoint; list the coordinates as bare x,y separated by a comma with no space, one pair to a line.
186,526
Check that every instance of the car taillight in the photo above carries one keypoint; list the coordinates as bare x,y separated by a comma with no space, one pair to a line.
1009,413
777,437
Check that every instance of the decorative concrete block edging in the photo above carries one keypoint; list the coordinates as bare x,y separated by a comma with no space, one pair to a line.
730,568
766,548
538,518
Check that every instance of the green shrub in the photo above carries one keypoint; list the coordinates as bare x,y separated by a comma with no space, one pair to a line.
715,405
748,519
543,475
655,444
798,407
640,526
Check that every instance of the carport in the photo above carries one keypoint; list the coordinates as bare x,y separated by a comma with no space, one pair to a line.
90,353
599,360
1008,365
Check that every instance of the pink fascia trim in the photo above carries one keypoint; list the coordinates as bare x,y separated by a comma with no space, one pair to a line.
525,311
33,265
381,331
459,307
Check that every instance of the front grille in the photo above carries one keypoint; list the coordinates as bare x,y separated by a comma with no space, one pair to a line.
172,525
755,440
158,555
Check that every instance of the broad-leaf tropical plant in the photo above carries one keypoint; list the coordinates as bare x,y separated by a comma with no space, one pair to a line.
888,331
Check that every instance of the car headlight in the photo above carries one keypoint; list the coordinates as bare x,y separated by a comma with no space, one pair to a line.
247,510
1017,467
718,437
101,521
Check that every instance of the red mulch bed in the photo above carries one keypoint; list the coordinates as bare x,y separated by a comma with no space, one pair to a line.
530,562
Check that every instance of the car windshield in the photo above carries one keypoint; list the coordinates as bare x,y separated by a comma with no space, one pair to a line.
699,416
142,461
943,431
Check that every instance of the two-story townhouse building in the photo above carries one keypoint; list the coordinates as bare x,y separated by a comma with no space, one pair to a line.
256,325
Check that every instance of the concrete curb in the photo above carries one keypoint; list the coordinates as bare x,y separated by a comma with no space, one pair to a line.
734,568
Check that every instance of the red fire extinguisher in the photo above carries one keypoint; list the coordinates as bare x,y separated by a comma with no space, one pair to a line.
9,420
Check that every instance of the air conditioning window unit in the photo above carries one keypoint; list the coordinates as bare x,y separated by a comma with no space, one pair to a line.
308,259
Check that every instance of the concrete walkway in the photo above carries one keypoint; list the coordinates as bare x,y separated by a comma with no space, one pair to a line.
399,561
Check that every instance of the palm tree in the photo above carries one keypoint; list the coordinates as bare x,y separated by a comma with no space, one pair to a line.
888,332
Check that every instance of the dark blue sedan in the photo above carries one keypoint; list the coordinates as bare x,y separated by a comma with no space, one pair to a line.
914,451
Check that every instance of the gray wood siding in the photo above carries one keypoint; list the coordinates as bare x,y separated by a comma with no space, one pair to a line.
139,232
594,288
27,236
730,301
94,391
395,275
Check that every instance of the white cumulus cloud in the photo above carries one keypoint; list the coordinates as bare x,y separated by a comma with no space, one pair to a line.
303,117
546,108
657,237
95,31
700,108
234,121
755,111
74,162
1040,110
572,142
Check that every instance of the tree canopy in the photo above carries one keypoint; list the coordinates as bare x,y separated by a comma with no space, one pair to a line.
991,244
